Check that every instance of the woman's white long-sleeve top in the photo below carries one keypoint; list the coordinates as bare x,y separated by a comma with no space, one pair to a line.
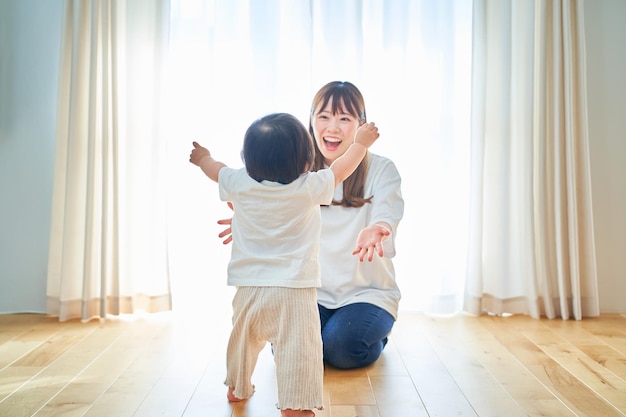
345,280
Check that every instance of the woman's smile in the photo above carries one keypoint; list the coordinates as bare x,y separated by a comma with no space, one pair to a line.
332,143
334,132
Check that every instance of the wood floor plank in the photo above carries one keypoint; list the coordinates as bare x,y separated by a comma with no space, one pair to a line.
522,387
462,344
607,357
591,345
604,383
350,390
124,396
397,392
14,325
565,386
389,364
48,368
22,338
610,329
393,387
209,397
208,391
354,410
55,346
110,359
433,366
437,388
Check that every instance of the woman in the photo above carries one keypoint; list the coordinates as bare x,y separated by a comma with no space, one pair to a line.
358,299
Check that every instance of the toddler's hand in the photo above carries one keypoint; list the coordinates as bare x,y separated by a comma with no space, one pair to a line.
197,153
366,134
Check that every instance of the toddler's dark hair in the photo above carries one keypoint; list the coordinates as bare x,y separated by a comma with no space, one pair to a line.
278,148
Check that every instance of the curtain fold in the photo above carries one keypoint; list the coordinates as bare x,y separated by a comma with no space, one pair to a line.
531,247
93,265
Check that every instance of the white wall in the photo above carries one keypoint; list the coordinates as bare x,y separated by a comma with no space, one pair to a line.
30,33
606,85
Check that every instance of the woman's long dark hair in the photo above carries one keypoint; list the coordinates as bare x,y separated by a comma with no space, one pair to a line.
345,97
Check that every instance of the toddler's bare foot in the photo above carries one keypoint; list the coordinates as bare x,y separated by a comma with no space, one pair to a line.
296,413
231,397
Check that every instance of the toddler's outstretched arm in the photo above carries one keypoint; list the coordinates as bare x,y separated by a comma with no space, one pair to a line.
345,165
201,157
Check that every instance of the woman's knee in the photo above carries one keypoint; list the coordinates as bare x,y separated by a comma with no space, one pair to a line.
354,336
351,355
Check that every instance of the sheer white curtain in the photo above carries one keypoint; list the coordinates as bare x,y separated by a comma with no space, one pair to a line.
143,79
531,247
108,243
231,62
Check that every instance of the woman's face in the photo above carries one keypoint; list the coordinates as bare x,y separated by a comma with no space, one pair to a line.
334,133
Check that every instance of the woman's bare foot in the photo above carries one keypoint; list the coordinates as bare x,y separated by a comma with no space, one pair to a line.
296,413
231,397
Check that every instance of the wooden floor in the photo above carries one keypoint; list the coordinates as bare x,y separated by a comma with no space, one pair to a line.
168,365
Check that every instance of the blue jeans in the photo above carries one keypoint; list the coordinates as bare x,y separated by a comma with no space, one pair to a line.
355,335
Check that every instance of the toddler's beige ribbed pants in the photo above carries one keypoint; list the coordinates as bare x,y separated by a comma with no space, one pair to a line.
289,319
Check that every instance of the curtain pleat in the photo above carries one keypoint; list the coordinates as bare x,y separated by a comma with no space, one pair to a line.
531,248
85,267
570,288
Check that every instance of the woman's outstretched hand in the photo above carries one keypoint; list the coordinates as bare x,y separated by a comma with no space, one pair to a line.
370,241
226,234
